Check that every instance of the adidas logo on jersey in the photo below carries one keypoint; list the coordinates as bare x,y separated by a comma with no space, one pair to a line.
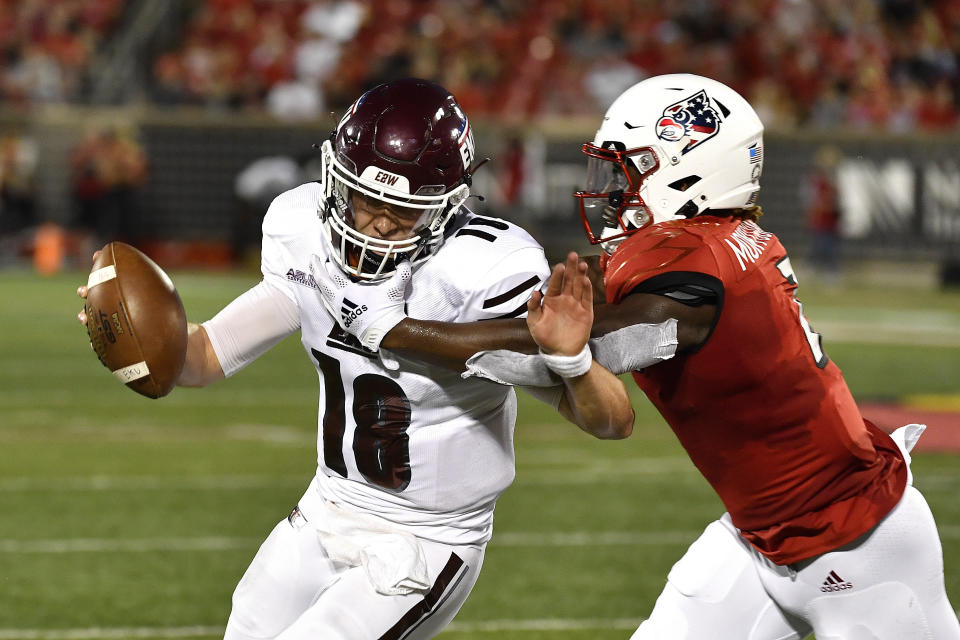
835,583
350,312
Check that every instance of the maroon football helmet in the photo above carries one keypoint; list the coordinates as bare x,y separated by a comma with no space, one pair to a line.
407,143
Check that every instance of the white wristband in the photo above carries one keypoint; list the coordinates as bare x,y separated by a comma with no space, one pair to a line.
569,366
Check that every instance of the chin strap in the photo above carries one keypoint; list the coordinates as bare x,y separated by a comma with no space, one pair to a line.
688,210
609,246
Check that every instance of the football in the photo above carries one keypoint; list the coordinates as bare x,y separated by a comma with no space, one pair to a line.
135,320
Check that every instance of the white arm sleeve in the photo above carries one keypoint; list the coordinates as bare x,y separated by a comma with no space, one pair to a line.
636,347
628,349
247,327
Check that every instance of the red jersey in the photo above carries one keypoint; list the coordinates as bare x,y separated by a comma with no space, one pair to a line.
762,412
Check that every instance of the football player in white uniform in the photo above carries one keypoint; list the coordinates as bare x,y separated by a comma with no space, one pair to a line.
388,539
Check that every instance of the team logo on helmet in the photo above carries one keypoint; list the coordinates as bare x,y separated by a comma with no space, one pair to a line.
692,118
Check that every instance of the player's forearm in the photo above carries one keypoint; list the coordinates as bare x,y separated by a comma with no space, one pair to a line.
694,323
201,366
598,403
450,344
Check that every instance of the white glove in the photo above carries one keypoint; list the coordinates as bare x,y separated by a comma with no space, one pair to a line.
366,310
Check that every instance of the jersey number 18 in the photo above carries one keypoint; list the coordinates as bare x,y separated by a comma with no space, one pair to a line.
381,411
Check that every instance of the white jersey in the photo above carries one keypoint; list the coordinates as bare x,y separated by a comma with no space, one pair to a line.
420,446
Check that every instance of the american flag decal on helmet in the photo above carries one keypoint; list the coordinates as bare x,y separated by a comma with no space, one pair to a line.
692,118
756,153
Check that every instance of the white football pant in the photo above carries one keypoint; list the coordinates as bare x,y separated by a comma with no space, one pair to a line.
294,590
886,585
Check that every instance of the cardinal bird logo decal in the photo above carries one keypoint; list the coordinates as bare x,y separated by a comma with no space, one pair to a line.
692,118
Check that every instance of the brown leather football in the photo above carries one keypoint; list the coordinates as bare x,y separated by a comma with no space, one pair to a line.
136,320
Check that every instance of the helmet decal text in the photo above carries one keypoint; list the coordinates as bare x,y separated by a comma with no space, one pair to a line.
692,119
465,144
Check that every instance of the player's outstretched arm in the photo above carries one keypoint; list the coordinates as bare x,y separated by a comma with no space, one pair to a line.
201,366
451,344
560,321
385,324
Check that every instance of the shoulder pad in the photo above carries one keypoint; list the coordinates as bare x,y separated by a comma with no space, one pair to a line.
665,247
293,211
493,264
483,240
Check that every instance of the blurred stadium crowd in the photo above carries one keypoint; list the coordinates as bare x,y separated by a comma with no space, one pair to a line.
821,66
49,47
888,64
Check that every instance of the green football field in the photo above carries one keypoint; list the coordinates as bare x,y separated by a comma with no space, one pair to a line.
123,517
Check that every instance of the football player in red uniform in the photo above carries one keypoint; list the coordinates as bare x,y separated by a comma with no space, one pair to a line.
824,531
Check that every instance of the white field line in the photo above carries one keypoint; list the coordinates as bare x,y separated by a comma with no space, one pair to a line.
592,538
671,466
121,545
152,483
65,397
109,633
884,333
586,474
485,626
488,626
493,626
127,431
504,539
226,543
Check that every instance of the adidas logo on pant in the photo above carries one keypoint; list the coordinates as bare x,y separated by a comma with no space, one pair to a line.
835,583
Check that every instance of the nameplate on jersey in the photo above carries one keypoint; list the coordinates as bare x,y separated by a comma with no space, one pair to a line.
747,243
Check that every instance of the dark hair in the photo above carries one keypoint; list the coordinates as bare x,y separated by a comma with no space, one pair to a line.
753,212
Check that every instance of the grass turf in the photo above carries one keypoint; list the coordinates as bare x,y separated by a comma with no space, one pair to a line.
129,517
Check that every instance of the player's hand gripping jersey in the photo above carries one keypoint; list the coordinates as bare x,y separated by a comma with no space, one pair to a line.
421,446
760,394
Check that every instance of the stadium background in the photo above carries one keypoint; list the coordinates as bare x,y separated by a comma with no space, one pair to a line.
124,517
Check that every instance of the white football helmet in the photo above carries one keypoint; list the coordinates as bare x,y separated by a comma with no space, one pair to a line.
670,147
